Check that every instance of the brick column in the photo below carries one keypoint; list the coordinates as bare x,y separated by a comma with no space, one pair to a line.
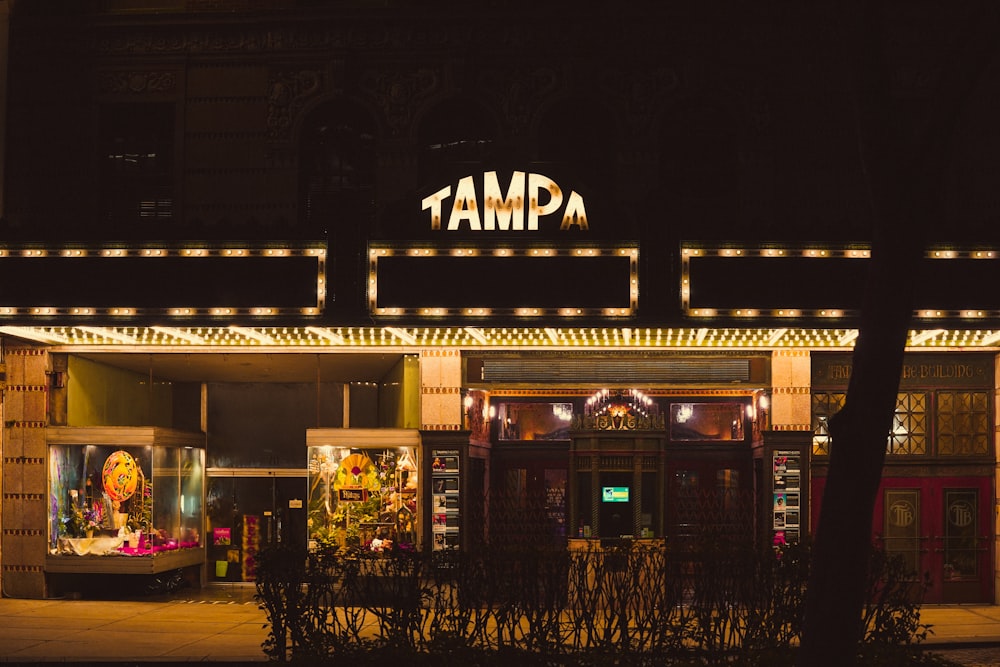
25,485
791,399
440,390
996,449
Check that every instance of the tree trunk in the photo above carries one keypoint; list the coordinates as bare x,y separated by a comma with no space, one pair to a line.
905,178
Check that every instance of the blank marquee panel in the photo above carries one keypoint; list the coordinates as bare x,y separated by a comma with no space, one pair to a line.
152,284
946,284
494,285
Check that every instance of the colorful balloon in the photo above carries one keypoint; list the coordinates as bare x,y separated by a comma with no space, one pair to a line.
120,475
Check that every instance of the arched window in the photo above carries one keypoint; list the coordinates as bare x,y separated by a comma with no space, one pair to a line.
337,166
137,184
456,132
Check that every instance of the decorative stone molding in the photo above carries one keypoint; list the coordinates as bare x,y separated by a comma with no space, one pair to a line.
136,83
641,94
397,93
287,92
519,93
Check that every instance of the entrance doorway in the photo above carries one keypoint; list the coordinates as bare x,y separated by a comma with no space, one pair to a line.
528,495
710,494
247,513
940,526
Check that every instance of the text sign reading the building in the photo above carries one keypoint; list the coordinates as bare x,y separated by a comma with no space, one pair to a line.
973,370
527,198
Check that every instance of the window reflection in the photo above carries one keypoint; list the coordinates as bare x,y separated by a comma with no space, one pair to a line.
706,421
534,421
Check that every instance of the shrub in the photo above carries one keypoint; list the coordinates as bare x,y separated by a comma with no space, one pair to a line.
713,601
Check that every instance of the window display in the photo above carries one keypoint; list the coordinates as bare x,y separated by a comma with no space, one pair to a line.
363,497
117,497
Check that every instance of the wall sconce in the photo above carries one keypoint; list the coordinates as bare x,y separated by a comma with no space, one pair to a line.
763,402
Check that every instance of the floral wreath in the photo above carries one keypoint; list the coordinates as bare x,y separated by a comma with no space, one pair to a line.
357,471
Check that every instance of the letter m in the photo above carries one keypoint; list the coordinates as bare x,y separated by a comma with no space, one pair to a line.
501,210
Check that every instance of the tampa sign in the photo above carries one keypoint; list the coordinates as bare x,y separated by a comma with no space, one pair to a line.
528,198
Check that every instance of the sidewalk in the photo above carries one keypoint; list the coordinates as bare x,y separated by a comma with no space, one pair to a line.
221,623
962,624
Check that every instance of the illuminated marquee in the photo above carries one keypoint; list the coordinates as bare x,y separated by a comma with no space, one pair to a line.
484,282
828,282
517,209
179,282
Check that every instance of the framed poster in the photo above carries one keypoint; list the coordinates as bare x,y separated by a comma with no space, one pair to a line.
786,477
445,496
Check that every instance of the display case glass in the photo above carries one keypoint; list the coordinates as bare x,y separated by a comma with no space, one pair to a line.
364,496
707,422
119,497
534,421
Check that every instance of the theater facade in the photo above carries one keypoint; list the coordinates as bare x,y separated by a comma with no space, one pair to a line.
367,276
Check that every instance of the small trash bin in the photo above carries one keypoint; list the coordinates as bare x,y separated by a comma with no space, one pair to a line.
221,568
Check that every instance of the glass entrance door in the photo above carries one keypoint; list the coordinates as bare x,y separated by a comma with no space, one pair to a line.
941,527
248,513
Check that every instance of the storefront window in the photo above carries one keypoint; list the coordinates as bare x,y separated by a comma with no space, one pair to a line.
909,424
825,404
363,497
963,423
707,422
112,500
534,421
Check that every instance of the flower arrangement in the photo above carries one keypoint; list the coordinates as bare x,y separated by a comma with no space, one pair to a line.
76,521
92,518
70,524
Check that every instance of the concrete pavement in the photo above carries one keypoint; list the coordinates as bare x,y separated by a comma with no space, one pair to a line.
222,623
962,624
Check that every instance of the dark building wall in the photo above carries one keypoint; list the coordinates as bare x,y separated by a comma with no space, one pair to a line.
263,425
681,122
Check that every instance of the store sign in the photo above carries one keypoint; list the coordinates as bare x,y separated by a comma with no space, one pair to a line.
528,198
352,495
917,371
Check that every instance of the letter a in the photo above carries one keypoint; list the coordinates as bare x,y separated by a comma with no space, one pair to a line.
576,212
537,183
466,207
